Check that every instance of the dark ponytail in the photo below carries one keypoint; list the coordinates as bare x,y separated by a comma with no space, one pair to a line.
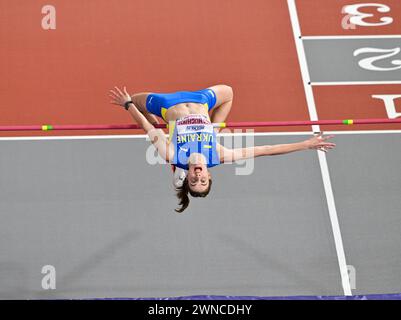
182,195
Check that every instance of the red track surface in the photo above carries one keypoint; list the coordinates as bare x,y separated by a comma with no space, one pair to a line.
63,76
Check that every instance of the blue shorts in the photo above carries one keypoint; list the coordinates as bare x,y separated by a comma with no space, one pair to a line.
159,103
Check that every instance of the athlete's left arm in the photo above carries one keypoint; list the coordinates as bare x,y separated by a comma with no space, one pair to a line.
156,136
317,142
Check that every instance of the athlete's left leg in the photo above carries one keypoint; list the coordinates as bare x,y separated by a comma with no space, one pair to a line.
139,99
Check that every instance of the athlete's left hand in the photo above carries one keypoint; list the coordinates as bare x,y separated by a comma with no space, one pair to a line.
319,142
119,97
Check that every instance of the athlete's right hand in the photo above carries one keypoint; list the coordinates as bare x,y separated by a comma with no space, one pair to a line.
318,142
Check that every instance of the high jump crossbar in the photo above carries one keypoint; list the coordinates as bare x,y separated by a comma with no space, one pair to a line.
48,127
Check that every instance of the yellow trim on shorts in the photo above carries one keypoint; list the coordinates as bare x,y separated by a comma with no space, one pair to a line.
171,130
163,112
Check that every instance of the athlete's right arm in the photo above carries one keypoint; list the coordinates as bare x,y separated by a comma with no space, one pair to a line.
318,142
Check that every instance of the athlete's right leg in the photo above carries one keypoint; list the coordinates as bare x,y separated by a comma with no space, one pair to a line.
222,108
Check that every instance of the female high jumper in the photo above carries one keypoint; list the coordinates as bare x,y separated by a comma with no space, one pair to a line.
194,147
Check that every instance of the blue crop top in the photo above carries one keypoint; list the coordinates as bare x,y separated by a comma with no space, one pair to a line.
193,133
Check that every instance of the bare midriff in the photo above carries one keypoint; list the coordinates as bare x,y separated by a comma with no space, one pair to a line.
184,109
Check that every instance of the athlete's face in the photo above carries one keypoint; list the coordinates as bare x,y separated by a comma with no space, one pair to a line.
198,177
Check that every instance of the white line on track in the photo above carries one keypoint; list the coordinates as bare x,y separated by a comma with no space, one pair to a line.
354,83
322,156
395,36
244,134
